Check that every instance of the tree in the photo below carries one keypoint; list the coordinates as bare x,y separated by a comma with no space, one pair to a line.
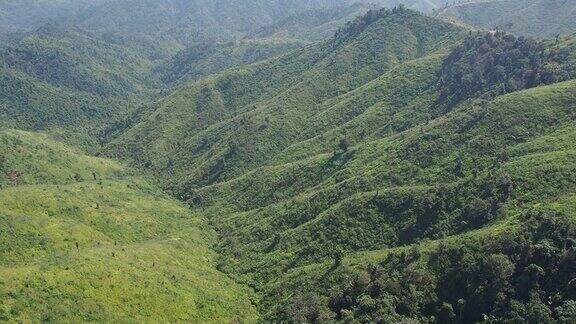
307,308
567,312
538,312
344,145
446,313
338,257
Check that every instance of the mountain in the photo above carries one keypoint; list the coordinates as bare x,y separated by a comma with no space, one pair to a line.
278,38
245,116
32,14
536,18
405,169
77,60
70,81
312,25
211,18
84,240
404,142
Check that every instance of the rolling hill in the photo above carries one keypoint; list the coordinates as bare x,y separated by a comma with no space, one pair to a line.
405,169
84,240
246,115
397,142
536,18
71,83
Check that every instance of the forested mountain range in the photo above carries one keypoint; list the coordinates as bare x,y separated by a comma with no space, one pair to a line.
70,81
377,139
89,77
298,162
536,18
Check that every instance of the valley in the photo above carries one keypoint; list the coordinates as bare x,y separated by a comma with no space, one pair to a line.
293,162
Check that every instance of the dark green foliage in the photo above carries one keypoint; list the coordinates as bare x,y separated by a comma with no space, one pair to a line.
535,18
343,145
70,83
392,173
522,276
497,63
79,61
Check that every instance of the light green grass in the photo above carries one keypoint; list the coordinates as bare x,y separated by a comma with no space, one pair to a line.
114,249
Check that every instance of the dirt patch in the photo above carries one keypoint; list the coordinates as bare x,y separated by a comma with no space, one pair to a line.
14,177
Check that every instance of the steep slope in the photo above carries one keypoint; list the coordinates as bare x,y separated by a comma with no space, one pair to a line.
83,240
312,25
294,32
78,60
197,61
365,144
467,171
69,81
465,181
537,18
239,119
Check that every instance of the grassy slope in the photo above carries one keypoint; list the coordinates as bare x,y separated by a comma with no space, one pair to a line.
278,38
141,255
536,18
70,82
241,118
288,198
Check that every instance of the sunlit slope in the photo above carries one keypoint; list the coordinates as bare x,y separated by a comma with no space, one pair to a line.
540,213
431,183
536,18
224,125
82,240
70,82
399,137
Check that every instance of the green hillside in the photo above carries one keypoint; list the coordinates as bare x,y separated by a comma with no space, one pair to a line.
83,240
239,119
75,59
400,169
312,25
162,28
280,37
201,60
536,18
71,83
400,143
85,86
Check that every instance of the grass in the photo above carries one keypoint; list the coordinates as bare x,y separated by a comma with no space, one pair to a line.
111,249
256,150
535,18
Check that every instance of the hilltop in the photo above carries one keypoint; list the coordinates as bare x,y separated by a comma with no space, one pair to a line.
404,169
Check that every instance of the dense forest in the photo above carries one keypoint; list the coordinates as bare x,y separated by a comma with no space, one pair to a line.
286,162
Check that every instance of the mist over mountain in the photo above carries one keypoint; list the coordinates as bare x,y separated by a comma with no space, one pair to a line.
536,18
